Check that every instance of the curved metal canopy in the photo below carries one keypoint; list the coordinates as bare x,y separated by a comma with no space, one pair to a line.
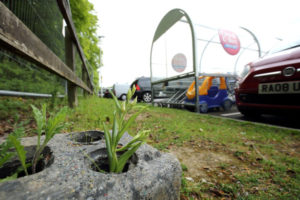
170,19
167,22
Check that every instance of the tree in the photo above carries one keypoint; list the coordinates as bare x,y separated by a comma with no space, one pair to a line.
86,27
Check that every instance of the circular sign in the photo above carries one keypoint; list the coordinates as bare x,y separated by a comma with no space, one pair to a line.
179,62
229,41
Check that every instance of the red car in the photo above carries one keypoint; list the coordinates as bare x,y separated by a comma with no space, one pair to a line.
271,85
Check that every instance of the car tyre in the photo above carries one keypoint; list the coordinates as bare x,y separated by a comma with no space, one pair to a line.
204,108
227,104
147,97
123,97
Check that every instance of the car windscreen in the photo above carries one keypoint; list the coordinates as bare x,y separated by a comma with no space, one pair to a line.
285,45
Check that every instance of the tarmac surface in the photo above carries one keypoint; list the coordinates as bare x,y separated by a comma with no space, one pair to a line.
281,121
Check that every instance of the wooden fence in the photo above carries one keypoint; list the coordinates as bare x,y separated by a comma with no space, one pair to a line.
16,37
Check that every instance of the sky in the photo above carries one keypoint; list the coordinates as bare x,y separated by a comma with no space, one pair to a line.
127,28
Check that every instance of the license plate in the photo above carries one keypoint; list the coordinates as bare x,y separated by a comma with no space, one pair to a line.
291,87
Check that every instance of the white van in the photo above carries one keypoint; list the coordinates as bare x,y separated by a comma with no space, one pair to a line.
120,90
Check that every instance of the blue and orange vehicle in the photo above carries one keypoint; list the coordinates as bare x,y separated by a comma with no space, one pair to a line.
210,95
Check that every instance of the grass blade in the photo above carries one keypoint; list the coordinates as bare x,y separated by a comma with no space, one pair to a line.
109,147
114,132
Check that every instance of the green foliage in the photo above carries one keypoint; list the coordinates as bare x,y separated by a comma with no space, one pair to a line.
20,151
244,177
6,153
20,75
50,127
183,167
120,126
5,147
86,28
44,19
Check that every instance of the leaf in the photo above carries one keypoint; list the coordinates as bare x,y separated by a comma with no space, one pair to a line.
20,151
108,147
117,104
123,159
128,123
4,158
114,132
40,118
13,177
129,95
54,125
141,136
5,154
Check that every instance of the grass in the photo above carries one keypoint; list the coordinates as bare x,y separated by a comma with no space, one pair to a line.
267,159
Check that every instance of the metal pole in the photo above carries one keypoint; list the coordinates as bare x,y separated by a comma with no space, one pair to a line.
152,90
101,78
194,46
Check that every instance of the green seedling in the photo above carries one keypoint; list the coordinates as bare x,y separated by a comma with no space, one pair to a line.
5,147
49,126
120,126
13,141
20,151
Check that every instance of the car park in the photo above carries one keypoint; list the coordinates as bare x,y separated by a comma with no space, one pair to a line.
271,85
143,89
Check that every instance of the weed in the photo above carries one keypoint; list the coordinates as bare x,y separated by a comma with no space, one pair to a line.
120,126
184,167
224,165
49,126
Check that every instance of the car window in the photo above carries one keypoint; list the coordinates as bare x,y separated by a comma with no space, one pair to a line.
144,82
285,45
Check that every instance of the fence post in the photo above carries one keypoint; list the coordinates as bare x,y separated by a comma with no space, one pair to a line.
84,79
70,62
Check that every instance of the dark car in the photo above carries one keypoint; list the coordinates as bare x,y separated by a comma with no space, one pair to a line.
271,85
106,93
143,89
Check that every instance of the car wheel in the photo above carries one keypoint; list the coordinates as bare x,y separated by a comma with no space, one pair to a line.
123,97
147,97
227,105
203,108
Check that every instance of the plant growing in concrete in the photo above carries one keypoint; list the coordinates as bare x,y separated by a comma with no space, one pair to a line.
51,126
6,154
120,126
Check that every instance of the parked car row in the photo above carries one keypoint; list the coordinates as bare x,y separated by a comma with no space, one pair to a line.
143,90
270,85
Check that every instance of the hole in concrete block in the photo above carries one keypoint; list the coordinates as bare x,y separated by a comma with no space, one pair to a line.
11,167
100,160
88,137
